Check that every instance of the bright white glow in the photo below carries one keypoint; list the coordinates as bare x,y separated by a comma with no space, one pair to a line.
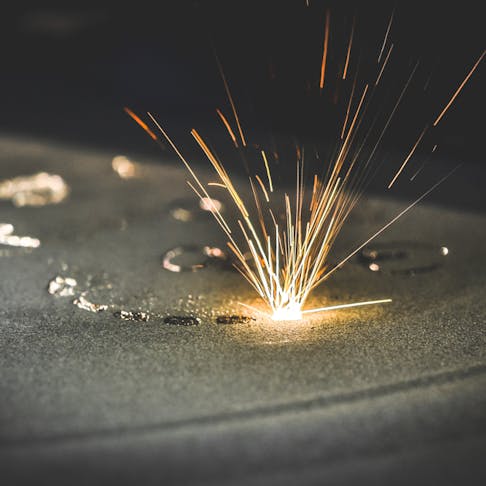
290,313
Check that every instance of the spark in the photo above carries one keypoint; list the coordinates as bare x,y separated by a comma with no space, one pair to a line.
346,306
138,120
349,106
423,164
231,101
258,178
267,168
405,162
385,62
324,51
454,96
386,35
392,114
228,126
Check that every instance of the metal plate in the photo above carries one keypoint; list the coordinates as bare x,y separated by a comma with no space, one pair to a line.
339,395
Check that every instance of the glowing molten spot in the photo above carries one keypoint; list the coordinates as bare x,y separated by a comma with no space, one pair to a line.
289,313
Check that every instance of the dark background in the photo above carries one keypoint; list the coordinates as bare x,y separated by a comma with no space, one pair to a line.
69,69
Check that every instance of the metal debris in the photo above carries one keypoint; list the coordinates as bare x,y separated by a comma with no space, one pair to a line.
406,258
85,304
204,255
182,321
234,319
138,316
62,286
8,238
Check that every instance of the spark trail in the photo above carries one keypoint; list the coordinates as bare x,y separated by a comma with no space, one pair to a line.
281,243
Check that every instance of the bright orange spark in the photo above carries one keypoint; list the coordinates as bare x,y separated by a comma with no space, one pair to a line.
454,96
324,52
232,103
228,126
140,122
265,192
267,168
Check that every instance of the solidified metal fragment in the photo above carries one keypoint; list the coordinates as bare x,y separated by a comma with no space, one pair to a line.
194,257
8,238
138,316
406,258
234,319
181,320
62,286
85,304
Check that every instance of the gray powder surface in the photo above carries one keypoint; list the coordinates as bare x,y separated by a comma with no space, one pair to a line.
380,395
